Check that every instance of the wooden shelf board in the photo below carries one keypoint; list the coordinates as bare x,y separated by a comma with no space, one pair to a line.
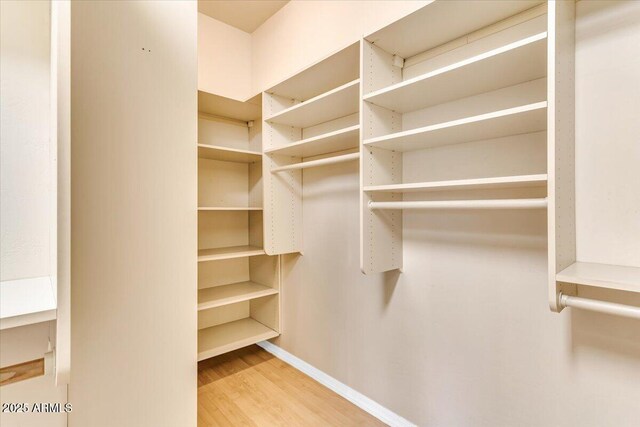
512,121
602,275
26,301
339,102
520,181
331,142
230,294
229,253
515,63
226,154
232,208
231,336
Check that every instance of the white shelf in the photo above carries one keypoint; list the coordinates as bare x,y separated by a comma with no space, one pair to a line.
26,301
512,121
442,21
342,139
331,71
231,336
339,102
520,181
226,154
321,162
515,63
229,253
602,275
233,208
540,203
233,293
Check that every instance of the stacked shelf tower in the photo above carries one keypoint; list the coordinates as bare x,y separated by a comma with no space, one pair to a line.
238,284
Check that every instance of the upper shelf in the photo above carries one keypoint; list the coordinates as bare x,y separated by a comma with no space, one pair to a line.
441,21
339,140
217,105
520,181
515,63
602,275
231,294
339,102
226,154
512,121
332,71
26,301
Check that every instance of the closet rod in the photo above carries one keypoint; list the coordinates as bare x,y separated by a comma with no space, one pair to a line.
463,204
599,306
321,162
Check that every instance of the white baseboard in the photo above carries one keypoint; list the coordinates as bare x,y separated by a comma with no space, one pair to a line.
360,400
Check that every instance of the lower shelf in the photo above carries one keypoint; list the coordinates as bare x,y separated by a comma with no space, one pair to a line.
228,253
231,294
231,336
602,275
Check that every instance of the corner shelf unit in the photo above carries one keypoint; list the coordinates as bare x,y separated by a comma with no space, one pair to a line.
439,93
238,284
312,120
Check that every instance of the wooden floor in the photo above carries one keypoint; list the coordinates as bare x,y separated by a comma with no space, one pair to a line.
250,387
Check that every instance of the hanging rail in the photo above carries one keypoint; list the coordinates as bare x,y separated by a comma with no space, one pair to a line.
321,162
599,306
463,204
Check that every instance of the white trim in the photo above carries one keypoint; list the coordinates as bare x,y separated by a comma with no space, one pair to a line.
360,400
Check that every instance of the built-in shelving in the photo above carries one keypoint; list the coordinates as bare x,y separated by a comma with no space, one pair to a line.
231,336
229,294
330,142
512,121
238,284
228,253
454,99
517,62
216,152
339,102
520,181
602,275
311,120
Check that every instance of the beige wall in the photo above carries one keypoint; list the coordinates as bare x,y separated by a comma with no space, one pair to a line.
464,336
133,209
224,59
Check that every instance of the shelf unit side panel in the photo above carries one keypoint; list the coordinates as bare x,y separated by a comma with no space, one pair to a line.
378,69
381,230
255,185
282,192
266,310
560,143
265,270
255,136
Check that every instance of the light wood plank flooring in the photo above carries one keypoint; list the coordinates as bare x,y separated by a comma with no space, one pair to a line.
250,387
